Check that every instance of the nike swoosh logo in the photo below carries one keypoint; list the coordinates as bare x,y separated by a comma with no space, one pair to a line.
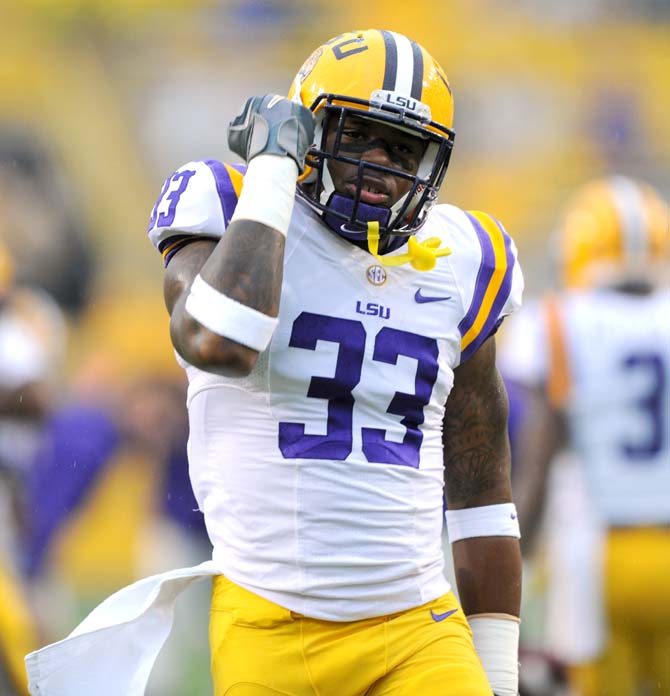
442,617
425,298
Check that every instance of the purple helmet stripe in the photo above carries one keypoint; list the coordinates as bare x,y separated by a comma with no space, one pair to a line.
417,77
391,66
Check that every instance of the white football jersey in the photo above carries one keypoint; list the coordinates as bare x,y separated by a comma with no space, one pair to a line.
617,349
320,474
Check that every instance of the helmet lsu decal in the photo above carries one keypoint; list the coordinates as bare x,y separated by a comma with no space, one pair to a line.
386,78
614,230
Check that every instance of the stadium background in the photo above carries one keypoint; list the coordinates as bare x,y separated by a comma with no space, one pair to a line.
101,100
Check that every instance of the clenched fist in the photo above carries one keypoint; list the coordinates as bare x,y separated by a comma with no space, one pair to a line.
272,125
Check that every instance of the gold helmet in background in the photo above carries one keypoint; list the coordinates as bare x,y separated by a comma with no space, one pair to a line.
614,230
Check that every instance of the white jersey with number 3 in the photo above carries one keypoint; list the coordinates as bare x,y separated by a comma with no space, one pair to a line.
617,349
320,475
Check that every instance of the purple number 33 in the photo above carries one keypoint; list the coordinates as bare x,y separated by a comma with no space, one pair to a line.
390,343
172,196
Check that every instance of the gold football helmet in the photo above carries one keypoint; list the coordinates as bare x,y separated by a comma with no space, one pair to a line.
612,231
388,78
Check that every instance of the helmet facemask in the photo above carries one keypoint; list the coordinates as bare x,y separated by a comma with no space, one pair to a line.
347,214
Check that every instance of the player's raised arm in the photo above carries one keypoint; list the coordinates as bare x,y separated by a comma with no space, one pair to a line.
223,297
481,517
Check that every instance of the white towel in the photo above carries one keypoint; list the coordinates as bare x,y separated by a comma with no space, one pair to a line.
113,650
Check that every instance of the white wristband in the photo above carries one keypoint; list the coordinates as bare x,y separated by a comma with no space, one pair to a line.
487,520
229,318
496,639
268,192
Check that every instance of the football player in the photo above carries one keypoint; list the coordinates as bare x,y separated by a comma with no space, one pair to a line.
320,360
594,362
337,329
18,377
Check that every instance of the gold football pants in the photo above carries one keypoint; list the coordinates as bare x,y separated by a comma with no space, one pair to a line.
18,632
261,649
637,610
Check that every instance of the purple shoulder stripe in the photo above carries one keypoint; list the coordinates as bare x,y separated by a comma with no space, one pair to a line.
484,275
493,320
225,187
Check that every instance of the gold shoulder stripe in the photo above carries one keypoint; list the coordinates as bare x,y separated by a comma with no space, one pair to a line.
236,179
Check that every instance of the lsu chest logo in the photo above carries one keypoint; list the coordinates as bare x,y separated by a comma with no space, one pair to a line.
373,309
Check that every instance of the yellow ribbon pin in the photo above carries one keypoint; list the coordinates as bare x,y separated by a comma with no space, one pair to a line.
421,255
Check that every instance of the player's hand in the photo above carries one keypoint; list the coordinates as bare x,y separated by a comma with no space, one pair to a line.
272,125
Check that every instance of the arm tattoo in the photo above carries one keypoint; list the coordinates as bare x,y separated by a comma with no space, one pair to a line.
248,266
183,268
476,446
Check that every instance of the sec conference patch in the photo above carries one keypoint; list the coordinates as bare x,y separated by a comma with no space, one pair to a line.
376,275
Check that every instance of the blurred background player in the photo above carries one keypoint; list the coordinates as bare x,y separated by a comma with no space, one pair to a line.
594,364
94,488
42,223
108,498
25,370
